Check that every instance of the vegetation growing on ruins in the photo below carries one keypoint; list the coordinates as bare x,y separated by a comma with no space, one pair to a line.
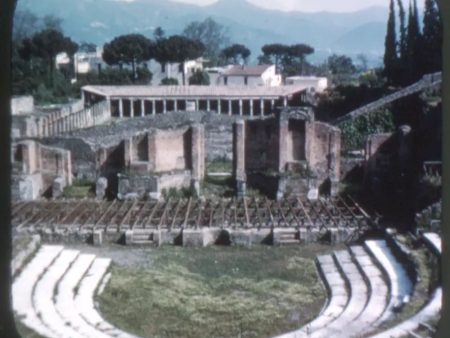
354,132
216,291
80,188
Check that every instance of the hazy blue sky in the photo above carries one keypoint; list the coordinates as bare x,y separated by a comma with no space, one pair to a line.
312,5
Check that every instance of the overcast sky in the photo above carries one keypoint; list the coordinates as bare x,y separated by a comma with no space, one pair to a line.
312,5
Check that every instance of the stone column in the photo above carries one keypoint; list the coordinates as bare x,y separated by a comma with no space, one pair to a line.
261,104
164,106
283,132
175,105
121,108
30,156
230,112
272,104
44,127
251,107
285,101
239,157
131,107
108,104
240,107
153,107
127,145
198,156
208,105
219,108
142,108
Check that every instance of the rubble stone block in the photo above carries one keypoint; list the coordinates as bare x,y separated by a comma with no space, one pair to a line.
58,186
97,237
100,188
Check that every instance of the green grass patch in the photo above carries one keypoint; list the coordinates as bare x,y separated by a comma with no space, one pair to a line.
25,331
80,188
215,292
20,243
219,165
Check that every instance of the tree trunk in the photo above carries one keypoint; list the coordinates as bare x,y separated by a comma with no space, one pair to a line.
7,325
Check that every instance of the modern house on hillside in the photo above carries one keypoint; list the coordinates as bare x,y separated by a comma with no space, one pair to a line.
250,75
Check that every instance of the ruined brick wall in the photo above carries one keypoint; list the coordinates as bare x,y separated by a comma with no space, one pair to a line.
379,153
261,145
84,161
169,151
37,166
324,149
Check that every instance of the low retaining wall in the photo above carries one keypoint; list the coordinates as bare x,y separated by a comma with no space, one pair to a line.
18,261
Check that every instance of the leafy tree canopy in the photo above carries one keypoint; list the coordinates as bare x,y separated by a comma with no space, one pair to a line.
213,35
129,49
236,52
199,78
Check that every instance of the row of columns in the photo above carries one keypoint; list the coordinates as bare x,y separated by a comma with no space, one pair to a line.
57,122
188,105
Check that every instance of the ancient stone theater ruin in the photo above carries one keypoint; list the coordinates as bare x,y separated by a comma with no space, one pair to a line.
151,156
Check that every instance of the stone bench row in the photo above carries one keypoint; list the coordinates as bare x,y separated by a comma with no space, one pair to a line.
363,284
429,312
54,295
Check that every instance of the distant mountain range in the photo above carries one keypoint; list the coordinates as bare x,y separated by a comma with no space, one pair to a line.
99,21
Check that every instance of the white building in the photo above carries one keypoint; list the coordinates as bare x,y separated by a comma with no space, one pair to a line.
319,84
86,62
174,70
250,75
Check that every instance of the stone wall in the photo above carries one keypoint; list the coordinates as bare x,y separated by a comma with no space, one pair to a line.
22,105
52,121
151,186
324,150
36,168
292,150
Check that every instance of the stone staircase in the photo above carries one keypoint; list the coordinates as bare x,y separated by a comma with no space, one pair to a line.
140,237
286,236
54,294
428,81
367,284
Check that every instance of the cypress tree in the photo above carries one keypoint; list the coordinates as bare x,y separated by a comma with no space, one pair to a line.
413,45
390,47
431,38
402,43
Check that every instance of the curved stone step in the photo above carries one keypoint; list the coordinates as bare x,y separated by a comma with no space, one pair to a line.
44,292
400,285
23,286
433,240
346,324
66,290
378,290
430,311
337,301
84,300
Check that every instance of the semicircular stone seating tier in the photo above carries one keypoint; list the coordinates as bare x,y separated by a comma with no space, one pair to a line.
365,285
427,313
54,294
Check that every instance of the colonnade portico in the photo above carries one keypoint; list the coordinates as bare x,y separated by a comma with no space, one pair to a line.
127,107
137,101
